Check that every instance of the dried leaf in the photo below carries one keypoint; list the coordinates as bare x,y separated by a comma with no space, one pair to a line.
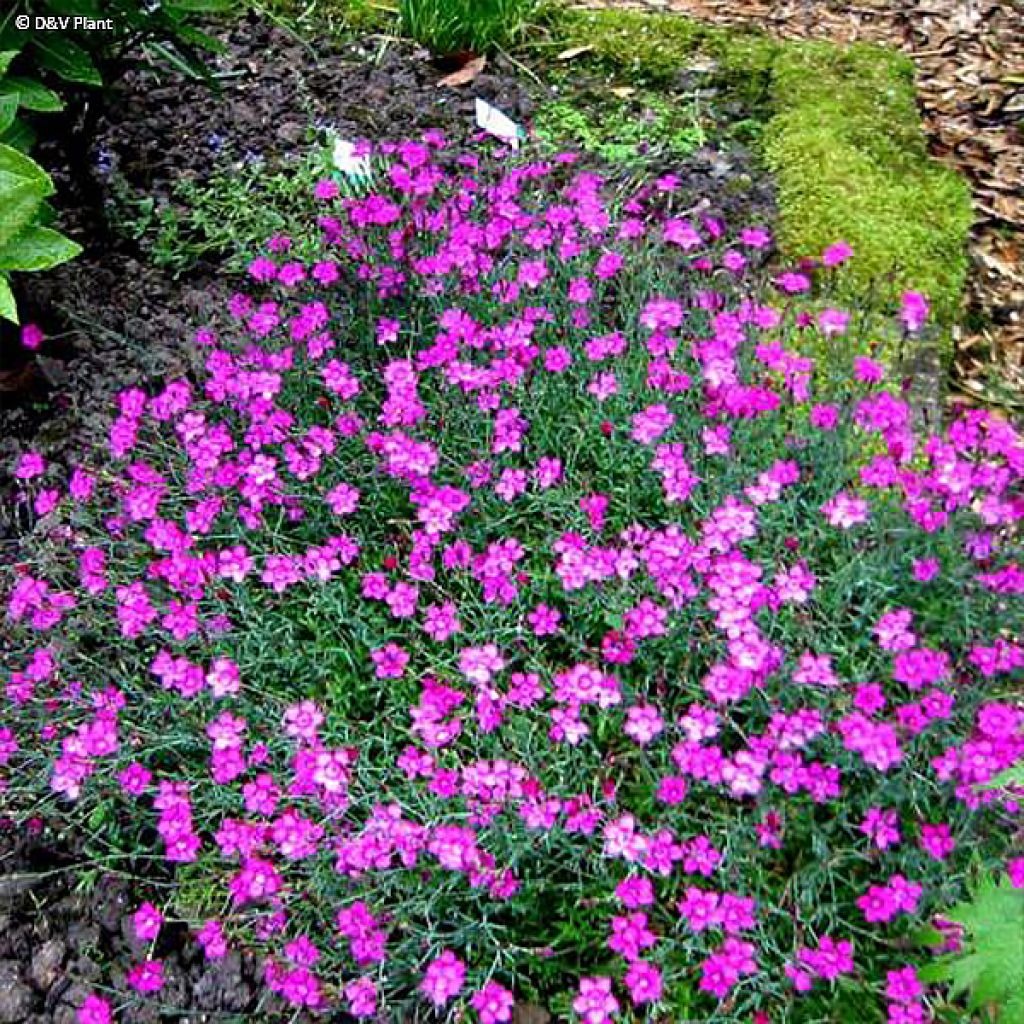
574,51
465,74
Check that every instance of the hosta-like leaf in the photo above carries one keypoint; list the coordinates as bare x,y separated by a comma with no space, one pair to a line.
37,248
15,165
19,204
19,136
67,59
32,95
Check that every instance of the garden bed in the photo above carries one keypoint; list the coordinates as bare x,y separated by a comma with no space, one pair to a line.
132,303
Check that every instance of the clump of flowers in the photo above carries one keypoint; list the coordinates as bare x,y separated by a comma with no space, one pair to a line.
514,611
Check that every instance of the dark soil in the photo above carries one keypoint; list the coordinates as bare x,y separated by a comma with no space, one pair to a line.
115,320
59,939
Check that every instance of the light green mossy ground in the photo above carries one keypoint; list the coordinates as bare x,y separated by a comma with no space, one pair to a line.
846,146
842,136
623,131
654,49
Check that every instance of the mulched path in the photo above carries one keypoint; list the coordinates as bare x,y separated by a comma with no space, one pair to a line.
114,320
969,56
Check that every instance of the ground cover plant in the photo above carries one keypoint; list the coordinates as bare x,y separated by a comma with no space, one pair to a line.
514,610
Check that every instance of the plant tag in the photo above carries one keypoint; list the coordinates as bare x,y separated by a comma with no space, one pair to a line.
356,168
501,126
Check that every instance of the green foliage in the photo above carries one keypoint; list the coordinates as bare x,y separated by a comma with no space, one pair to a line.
851,161
451,26
656,49
334,17
77,53
623,131
25,245
227,217
991,965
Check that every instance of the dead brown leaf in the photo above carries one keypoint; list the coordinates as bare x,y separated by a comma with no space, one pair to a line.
574,51
465,74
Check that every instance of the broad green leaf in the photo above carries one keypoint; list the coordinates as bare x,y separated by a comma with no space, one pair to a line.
8,108
8,307
19,136
32,95
19,205
37,248
6,56
16,165
68,60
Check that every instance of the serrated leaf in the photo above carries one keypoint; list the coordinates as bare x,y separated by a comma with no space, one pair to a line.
991,965
8,307
32,95
1013,776
37,248
68,60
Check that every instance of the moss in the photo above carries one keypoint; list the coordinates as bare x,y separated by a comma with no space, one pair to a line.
653,49
851,162
622,130
843,139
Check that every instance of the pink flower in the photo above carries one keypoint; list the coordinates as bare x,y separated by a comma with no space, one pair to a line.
146,977
595,1003
837,253
390,661
211,937
29,466
31,337
845,511
913,310
443,979
95,1010
903,986
147,922
493,1003
644,982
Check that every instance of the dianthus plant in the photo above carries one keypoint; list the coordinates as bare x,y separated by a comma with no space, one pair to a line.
513,610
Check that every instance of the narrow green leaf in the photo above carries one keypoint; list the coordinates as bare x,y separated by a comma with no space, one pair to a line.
203,6
37,248
8,307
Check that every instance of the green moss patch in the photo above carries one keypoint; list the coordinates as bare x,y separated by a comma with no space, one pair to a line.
841,133
655,49
846,146
623,130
